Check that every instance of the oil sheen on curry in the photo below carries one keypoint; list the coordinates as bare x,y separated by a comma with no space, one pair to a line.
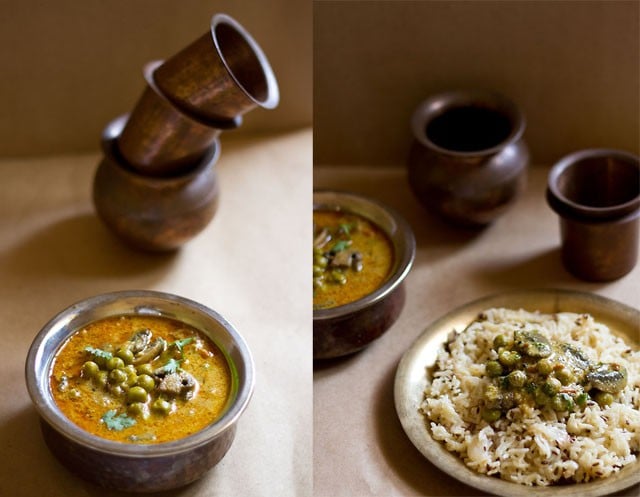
352,257
140,379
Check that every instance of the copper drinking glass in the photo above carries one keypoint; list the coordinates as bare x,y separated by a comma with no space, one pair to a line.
596,194
221,75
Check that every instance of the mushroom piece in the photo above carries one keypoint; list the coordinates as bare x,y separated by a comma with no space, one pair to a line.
180,384
322,238
139,340
150,352
610,378
531,343
347,258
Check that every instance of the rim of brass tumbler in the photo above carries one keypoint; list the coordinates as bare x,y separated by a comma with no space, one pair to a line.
159,139
221,75
149,212
596,194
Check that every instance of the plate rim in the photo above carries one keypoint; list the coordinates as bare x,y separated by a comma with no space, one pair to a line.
451,464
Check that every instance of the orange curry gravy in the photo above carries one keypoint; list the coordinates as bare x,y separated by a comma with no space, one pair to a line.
352,257
103,403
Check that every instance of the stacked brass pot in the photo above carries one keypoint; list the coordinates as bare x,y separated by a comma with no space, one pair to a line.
156,186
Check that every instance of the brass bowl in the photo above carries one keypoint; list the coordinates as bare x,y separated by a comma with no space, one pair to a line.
132,467
345,329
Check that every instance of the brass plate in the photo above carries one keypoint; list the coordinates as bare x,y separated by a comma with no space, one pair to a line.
411,380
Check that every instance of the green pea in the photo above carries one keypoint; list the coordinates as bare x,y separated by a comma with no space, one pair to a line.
318,271
551,387
137,394
101,378
562,402
320,260
138,409
115,363
125,354
500,341
493,368
338,277
145,368
544,367
565,376
508,358
517,378
491,415
541,398
581,399
603,399
161,406
90,369
117,376
318,283
116,390
147,382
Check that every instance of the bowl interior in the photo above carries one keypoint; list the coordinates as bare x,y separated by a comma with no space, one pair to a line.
54,334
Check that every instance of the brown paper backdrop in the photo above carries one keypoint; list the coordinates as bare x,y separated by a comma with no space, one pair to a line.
67,67
573,66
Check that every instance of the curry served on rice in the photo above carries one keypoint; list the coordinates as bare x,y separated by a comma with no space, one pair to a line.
537,399
352,257
140,379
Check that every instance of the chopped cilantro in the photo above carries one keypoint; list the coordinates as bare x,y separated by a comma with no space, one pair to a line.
345,228
117,422
171,366
340,246
99,352
181,343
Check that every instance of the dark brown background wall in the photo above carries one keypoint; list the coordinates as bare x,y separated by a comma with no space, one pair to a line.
573,66
67,67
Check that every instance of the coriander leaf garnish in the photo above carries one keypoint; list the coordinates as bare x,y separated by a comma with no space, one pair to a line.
340,246
99,352
181,343
345,228
117,422
171,366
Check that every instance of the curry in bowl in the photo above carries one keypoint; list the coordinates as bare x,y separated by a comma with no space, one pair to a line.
362,252
140,379
352,257
138,390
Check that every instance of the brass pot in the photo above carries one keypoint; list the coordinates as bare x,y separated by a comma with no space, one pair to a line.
468,159
154,213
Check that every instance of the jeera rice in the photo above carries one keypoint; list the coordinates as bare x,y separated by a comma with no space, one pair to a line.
537,399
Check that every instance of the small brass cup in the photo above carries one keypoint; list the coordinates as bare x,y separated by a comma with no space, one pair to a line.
221,75
596,194
159,139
